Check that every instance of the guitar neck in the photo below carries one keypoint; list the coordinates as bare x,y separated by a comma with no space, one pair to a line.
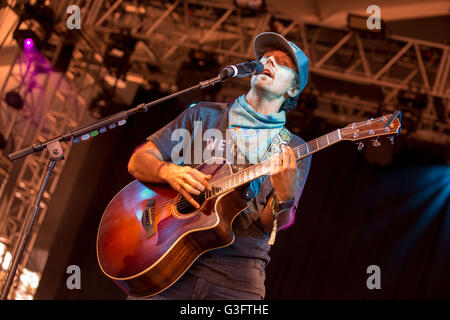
263,168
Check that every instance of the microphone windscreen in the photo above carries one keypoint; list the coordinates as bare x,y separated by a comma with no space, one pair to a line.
259,67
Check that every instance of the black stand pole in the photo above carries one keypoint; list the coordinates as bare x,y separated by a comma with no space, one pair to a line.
56,153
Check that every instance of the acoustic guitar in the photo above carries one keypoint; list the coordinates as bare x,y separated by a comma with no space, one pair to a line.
149,235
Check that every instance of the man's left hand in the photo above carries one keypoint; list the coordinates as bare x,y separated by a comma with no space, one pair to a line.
285,174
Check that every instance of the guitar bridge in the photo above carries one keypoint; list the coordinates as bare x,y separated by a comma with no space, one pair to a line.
148,218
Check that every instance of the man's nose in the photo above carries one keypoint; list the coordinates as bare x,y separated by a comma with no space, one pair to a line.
271,61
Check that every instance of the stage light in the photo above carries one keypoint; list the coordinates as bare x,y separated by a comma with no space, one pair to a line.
36,23
250,4
359,23
250,8
28,44
28,39
14,100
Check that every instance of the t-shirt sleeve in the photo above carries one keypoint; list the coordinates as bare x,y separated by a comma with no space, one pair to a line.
175,136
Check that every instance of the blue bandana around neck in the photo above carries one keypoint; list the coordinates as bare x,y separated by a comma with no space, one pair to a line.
252,131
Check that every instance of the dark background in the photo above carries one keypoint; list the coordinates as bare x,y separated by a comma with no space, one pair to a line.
353,213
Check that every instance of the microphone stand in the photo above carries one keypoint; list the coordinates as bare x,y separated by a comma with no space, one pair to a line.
56,154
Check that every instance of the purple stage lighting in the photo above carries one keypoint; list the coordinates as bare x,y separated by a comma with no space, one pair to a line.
28,43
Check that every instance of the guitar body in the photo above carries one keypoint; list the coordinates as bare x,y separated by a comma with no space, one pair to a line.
144,264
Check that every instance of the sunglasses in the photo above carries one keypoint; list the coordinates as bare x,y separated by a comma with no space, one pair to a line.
280,59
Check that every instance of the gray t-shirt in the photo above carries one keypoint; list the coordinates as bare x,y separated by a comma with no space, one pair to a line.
241,265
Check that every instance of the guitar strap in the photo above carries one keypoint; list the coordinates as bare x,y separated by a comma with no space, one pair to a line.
284,137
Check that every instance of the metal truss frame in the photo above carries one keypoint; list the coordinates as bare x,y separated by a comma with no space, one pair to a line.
167,30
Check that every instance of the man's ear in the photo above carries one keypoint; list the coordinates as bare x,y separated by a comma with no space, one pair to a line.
293,91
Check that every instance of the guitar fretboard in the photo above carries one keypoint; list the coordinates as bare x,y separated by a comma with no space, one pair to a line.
263,168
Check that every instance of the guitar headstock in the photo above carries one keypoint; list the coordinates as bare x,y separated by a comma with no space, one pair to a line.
387,125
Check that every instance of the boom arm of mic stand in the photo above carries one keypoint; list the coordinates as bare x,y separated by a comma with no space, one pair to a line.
109,120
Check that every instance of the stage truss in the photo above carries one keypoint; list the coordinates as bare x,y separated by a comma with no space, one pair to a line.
379,66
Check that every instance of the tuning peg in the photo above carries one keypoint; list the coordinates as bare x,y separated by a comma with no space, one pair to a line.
392,139
360,146
376,143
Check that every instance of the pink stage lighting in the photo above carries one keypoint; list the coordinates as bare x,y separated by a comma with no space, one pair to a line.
28,43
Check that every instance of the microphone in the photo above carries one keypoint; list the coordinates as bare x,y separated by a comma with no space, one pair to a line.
242,70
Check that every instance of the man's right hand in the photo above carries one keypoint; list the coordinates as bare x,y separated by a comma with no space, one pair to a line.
185,180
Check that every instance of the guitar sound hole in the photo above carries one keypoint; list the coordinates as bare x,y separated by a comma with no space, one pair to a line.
185,207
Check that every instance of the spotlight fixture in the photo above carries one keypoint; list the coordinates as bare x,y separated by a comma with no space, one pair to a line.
28,44
27,39
14,100
359,23
250,8
35,25
250,4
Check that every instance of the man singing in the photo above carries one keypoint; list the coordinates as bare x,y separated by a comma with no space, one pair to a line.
256,123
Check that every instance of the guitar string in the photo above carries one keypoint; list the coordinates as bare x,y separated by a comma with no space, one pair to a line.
185,203
305,146
301,148
266,161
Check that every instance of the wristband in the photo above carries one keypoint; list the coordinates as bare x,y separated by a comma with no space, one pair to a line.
282,205
278,208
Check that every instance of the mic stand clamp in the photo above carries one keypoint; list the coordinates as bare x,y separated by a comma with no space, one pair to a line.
210,82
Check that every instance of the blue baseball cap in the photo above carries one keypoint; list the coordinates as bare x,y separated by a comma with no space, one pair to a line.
269,39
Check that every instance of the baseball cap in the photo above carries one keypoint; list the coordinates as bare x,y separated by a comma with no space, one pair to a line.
267,39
